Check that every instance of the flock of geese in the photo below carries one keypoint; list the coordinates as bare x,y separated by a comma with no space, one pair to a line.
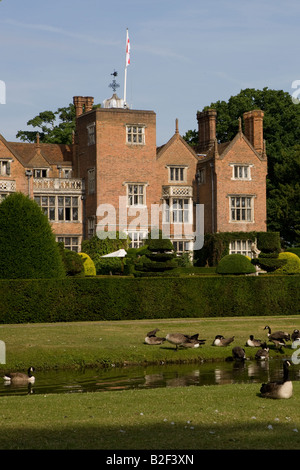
275,389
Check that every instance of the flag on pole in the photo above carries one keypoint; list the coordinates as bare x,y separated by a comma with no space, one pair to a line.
127,50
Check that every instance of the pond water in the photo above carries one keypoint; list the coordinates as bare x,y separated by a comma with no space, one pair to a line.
131,377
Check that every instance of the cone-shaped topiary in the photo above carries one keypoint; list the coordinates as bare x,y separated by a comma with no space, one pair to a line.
28,248
235,264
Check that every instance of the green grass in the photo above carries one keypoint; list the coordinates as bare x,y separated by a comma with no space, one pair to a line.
80,344
206,417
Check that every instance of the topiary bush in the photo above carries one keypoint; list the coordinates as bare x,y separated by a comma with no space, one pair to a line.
88,265
73,262
295,249
292,263
28,249
235,264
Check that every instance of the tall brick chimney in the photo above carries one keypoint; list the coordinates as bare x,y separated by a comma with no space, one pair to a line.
206,128
253,121
83,104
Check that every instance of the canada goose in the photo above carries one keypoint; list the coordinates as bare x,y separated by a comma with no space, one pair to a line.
20,377
221,341
256,343
152,339
277,335
262,353
279,389
295,335
238,353
188,341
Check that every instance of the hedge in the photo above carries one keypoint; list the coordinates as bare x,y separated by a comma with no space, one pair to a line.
121,298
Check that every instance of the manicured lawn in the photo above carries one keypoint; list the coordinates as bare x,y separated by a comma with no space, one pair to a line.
212,417
207,417
78,344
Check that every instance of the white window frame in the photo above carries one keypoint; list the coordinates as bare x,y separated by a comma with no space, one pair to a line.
241,208
135,134
71,242
136,198
242,247
137,238
182,246
177,173
58,210
5,169
177,210
40,172
241,172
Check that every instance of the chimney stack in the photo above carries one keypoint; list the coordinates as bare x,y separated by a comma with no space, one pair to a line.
206,128
253,121
83,104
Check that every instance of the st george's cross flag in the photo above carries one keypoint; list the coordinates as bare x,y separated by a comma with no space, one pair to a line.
127,50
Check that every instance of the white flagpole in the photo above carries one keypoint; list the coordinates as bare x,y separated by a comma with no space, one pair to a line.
125,77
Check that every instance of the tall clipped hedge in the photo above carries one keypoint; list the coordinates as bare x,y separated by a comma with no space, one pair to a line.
27,244
121,298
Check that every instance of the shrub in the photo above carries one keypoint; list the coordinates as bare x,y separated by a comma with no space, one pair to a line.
27,244
292,264
295,250
235,264
102,244
268,242
88,265
73,263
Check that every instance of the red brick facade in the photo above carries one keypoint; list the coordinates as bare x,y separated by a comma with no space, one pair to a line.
114,177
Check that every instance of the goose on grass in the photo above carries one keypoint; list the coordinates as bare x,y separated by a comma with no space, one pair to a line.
277,335
238,353
221,341
281,388
253,343
152,339
186,341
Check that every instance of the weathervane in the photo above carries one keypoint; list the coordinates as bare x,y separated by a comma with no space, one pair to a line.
114,85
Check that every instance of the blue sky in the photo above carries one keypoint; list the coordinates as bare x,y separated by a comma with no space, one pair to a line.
184,55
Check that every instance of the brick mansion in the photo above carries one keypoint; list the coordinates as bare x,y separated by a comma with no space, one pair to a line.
114,157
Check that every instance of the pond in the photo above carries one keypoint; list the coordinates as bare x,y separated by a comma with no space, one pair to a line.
132,377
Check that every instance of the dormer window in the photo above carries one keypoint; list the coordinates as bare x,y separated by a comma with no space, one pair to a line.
40,173
4,167
177,174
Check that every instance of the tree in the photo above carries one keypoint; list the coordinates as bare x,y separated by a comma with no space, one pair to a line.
282,135
54,127
28,249
103,244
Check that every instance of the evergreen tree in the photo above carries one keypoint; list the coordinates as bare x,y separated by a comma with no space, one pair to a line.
28,249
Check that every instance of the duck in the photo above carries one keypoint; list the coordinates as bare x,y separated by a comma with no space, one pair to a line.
152,339
238,353
281,388
277,335
263,353
20,377
221,341
253,342
180,339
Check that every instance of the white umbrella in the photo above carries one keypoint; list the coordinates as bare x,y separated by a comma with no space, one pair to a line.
116,254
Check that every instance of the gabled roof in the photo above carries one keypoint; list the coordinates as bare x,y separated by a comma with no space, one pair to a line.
176,137
34,155
224,147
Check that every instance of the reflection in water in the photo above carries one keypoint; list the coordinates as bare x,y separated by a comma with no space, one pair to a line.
180,375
